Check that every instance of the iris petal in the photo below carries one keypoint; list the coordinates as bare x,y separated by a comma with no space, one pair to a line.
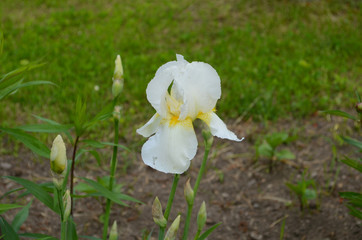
151,126
218,127
171,149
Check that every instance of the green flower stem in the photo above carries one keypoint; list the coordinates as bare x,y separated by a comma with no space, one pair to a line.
169,205
72,175
61,208
111,179
196,187
63,233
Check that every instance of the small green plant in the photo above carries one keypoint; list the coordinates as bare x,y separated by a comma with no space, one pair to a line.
303,191
354,199
268,148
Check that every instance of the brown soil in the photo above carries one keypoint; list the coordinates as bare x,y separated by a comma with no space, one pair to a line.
238,189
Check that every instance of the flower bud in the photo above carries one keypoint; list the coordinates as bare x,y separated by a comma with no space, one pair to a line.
113,235
58,156
208,138
117,86
359,107
189,193
157,213
117,112
172,231
118,70
201,216
67,203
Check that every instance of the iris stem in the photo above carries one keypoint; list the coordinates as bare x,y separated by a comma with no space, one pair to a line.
196,187
60,203
169,205
111,179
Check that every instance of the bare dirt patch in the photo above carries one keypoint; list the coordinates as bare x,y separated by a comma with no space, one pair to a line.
238,190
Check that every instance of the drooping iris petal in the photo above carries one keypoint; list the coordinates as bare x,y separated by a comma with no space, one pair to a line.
218,127
171,149
151,126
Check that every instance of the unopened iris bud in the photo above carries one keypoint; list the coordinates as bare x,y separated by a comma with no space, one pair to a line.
118,70
359,107
67,203
117,86
189,193
172,231
157,213
117,112
58,156
201,216
113,235
208,138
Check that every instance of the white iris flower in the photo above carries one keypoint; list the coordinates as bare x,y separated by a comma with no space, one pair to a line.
195,89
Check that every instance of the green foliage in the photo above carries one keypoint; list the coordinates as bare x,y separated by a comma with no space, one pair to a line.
7,231
354,203
20,217
268,148
37,191
208,231
289,56
7,206
303,192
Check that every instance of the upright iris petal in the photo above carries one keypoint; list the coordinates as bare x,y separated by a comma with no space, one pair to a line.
194,92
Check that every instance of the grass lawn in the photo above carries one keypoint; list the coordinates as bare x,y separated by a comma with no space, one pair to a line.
276,59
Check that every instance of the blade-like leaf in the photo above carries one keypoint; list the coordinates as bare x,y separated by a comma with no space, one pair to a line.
353,142
15,87
208,231
7,231
71,230
351,195
352,163
7,206
354,211
20,70
115,197
31,142
37,191
265,150
285,154
45,128
340,113
20,217
90,237
37,236
97,144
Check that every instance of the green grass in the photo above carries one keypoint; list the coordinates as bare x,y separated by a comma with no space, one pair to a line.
276,59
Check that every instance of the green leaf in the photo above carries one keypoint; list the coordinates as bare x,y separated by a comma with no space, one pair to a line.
20,217
45,128
351,195
353,142
37,191
71,230
358,96
19,71
97,144
208,231
104,114
31,142
352,163
12,88
295,188
80,117
354,211
7,231
37,236
115,197
7,206
275,139
340,113
265,150
285,154
310,194
90,237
